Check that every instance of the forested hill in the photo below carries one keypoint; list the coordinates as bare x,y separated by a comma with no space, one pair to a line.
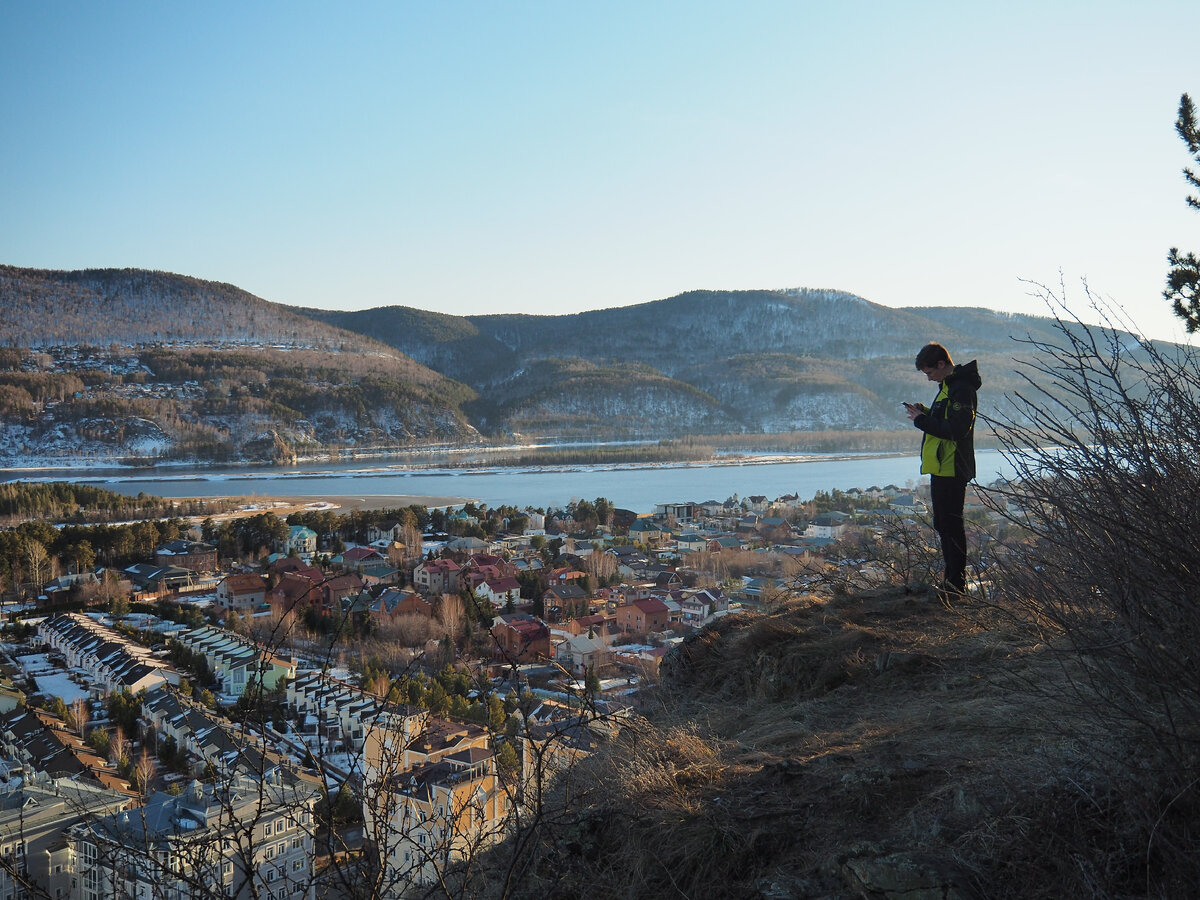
134,306
740,361
153,365
137,365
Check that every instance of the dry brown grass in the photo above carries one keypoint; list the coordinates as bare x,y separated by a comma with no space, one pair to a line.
803,752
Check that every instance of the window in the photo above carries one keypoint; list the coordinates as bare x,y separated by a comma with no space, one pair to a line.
297,865
270,854
267,829
281,848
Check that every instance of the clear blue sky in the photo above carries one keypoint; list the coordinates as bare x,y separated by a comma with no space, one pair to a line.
560,156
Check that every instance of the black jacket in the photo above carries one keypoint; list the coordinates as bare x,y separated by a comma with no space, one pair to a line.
953,418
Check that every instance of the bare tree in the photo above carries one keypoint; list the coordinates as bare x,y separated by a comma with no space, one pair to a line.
118,747
451,613
143,772
79,715
600,565
37,562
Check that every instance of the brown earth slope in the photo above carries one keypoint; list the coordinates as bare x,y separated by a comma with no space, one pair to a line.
886,745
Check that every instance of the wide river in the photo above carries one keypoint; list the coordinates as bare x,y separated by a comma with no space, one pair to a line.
636,487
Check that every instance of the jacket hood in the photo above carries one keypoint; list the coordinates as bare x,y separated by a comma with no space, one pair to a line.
967,373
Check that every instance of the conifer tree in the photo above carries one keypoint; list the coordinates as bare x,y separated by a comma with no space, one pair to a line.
1183,278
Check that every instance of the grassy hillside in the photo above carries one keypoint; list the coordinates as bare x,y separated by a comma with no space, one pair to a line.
877,745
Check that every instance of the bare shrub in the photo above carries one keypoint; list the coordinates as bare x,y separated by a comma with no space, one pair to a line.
1105,441
411,631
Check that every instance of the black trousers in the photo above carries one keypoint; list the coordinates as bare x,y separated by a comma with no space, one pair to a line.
949,494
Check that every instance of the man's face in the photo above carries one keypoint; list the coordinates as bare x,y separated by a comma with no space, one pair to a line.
939,372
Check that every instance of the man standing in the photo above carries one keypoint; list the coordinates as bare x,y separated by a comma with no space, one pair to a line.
948,453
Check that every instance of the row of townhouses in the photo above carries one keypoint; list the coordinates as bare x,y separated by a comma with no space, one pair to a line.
237,662
111,661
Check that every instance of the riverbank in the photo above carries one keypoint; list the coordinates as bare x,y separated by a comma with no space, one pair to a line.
286,506
370,501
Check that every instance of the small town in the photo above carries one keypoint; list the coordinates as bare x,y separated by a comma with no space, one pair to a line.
283,709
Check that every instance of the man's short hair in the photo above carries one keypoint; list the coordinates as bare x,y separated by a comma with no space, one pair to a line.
932,354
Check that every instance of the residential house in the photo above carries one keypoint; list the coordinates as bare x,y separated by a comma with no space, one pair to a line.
244,593
642,616
301,541
42,743
394,603
337,590
565,575
380,573
402,737
747,525
110,660
646,531
827,525
759,592
698,607
294,591
521,638
907,503
490,563
667,580
201,836
385,531
436,576
563,600
690,542
775,530
596,624
35,814
283,564
357,558
500,592
531,563
443,812
335,713
468,545
680,512
581,653
186,554
158,579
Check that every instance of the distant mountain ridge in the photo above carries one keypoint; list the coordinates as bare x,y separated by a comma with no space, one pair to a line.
739,361
702,362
